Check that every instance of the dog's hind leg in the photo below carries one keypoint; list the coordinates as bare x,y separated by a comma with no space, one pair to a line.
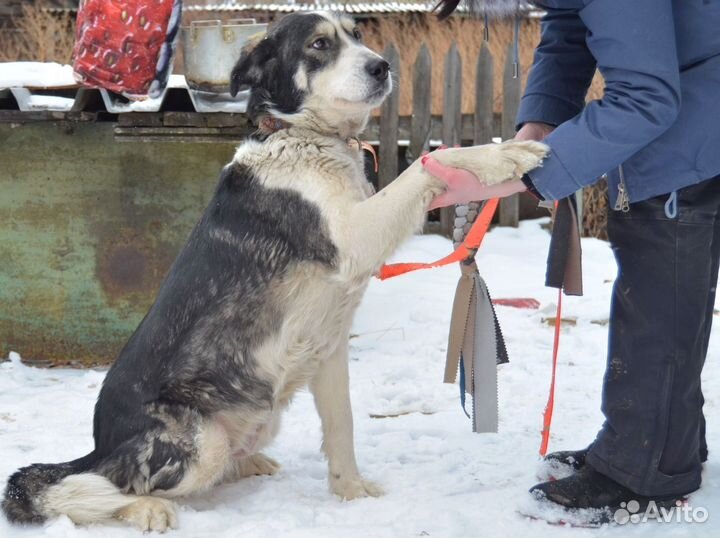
185,455
330,388
80,491
209,461
91,498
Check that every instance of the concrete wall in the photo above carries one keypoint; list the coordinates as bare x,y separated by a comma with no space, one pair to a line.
88,229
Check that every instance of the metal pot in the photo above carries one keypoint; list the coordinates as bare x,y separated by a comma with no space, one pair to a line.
211,49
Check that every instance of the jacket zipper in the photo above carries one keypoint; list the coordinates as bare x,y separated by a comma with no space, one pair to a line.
623,200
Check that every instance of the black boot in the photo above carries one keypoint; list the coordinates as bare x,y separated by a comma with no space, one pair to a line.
561,464
597,496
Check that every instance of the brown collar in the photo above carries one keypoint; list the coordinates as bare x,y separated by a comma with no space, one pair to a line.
272,125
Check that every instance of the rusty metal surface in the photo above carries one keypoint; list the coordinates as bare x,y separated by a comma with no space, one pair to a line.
88,229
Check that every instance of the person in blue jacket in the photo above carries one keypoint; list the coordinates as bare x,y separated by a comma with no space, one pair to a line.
655,135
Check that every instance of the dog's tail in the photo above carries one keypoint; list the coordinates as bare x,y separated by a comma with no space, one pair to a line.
42,490
26,488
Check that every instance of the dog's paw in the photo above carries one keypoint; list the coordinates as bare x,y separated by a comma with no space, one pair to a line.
354,487
524,155
150,514
257,465
495,163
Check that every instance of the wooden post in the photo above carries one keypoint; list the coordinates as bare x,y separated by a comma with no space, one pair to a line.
421,113
484,98
389,121
451,121
510,206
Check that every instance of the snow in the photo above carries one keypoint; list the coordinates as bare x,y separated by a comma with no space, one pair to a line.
440,479
36,75
20,77
51,75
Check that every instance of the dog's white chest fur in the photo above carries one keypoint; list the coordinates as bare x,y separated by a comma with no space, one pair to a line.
318,303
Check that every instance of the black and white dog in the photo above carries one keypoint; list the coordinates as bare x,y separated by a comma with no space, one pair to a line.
259,302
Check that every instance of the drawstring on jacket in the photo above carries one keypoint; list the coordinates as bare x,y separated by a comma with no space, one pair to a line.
671,206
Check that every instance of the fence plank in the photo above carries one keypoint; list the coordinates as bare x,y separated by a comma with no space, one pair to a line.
484,98
389,121
510,206
422,96
452,120
452,112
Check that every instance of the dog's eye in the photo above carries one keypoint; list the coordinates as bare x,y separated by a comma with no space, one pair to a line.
356,34
321,43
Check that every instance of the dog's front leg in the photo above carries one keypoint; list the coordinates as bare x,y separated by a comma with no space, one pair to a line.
332,399
374,228
377,226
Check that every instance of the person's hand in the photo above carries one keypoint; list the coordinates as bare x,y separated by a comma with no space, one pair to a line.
534,130
464,186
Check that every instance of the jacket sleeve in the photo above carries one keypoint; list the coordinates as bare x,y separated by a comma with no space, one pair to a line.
634,46
561,73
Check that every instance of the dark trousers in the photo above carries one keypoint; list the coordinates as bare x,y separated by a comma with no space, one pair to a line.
653,439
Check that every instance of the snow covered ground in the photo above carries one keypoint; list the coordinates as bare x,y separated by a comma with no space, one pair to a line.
440,479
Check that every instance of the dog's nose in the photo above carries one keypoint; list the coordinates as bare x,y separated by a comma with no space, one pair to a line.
378,69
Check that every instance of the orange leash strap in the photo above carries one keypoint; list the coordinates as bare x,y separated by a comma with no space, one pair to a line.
467,248
548,413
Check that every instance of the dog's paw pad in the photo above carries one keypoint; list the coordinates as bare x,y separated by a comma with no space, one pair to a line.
355,488
150,514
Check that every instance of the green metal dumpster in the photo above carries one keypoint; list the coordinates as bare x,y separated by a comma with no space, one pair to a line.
88,229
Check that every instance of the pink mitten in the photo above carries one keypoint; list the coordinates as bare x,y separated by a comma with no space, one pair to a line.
464,186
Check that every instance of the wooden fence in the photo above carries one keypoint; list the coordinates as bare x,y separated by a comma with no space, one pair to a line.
454,128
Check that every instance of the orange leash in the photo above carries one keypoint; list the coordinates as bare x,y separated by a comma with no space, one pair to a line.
465,250
548,413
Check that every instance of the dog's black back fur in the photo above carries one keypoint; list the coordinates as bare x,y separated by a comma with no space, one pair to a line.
190,355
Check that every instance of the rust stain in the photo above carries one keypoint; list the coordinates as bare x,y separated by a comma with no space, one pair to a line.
122,269
132,265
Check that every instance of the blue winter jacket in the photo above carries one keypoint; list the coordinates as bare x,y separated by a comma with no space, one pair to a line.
657,128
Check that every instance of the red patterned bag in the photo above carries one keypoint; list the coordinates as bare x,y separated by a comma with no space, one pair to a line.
126,46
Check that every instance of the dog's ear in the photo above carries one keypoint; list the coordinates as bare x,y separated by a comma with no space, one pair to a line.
249,69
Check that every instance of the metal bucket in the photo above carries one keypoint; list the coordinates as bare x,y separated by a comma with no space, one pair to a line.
211,49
